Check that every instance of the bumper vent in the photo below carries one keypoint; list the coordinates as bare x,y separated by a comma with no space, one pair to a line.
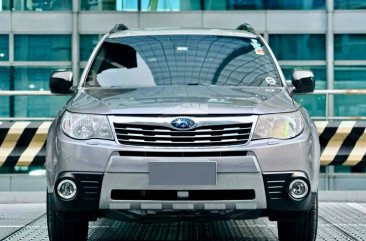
276,186
184,154
90,186
194,195
136,134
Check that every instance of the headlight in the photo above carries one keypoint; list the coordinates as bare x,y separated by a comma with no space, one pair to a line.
279,126
83,126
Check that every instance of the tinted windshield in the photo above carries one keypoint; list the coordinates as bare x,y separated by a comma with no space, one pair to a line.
144,61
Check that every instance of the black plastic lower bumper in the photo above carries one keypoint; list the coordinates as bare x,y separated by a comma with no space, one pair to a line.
280,205
88,193
278,198
85,205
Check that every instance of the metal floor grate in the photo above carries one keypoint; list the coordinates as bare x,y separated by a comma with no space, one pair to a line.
15,216
338,222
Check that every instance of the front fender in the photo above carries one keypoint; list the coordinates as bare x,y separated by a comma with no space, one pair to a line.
50,153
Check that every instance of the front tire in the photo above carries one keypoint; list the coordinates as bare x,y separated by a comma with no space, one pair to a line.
304,230
60,230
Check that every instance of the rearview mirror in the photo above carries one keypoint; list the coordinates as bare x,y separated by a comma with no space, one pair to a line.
61,82
303,81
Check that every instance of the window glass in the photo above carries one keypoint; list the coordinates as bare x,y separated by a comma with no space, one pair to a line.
170,5
4,47
349,105
350,77
42,5
87,44
42,47
263,4
349,4
4,85
234,4
315,104
109,5
81,71
350,46
296,4
4,5
35,78
183,60
298,46
342,169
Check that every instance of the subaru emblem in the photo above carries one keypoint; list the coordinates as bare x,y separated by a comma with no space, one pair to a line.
183,123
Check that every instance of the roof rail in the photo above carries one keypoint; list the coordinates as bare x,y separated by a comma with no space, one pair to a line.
118,27
247,27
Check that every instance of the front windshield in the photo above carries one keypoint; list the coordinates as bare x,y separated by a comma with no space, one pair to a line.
147,61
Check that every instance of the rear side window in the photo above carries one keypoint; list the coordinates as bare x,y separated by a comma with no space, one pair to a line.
146,61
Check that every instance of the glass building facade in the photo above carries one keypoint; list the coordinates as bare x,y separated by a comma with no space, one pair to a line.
193,5
42,47
38,37
4,47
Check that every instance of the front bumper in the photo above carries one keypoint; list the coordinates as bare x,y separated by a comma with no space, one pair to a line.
249,195
118,167
66,154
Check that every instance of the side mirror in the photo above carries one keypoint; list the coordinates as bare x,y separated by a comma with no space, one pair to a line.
61,82
303,81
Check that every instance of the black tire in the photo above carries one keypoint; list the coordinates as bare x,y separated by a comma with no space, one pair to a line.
59,230
304,230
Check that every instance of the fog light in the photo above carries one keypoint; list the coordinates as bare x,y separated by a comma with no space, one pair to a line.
298,189
66,189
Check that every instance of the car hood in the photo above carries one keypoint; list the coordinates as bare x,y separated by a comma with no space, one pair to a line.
182,100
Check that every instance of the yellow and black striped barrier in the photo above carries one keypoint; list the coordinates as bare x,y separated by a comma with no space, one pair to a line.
23,143
342,142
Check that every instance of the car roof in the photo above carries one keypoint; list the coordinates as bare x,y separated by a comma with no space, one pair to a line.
183,31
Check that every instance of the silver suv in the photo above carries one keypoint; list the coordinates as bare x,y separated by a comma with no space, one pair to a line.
175,124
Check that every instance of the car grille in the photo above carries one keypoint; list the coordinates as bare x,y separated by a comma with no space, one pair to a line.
142,134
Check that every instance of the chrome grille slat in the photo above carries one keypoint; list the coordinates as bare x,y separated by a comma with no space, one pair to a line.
181,142
185,133
172,130
196,143
198,137
160,133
